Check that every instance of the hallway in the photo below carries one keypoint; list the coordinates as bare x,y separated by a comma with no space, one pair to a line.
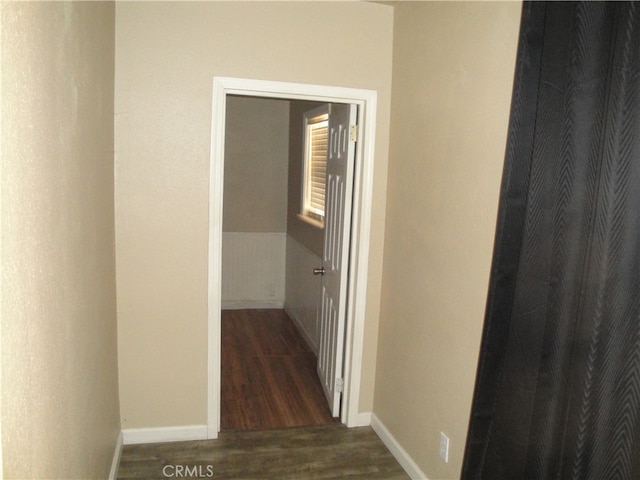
106,218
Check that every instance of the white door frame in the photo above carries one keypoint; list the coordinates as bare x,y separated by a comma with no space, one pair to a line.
360,230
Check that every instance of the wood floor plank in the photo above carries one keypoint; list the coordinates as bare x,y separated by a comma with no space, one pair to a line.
327,452
269,375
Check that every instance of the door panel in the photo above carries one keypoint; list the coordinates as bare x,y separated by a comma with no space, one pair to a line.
339,191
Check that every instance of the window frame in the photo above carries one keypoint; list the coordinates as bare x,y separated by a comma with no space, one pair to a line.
309,211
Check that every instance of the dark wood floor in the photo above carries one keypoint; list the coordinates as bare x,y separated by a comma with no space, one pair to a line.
328,452
269,377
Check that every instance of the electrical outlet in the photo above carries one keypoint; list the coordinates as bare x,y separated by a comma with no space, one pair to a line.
444,447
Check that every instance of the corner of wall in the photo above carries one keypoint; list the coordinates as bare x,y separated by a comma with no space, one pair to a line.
117,453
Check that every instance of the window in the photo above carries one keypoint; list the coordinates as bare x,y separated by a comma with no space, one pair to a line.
316,127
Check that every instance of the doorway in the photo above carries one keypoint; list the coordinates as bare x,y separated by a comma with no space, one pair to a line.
270,295
365,100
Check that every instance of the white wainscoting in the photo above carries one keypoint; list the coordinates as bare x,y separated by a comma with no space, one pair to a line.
303,290
253,270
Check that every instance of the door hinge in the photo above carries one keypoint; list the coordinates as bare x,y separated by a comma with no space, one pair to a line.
339,385
353,133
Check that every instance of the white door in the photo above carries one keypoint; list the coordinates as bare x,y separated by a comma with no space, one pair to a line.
337,229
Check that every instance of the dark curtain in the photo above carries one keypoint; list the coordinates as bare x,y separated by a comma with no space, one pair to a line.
557,391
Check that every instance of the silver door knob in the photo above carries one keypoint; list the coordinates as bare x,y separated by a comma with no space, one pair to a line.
318,271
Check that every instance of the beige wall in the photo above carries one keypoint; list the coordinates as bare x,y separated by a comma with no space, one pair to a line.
255,165
60,412
452,79
166,56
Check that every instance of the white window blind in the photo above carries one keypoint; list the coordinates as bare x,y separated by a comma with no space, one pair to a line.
315,163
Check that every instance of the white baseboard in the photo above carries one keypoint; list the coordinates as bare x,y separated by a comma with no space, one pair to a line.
251,304
132,436
363,419
396,449
115,463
